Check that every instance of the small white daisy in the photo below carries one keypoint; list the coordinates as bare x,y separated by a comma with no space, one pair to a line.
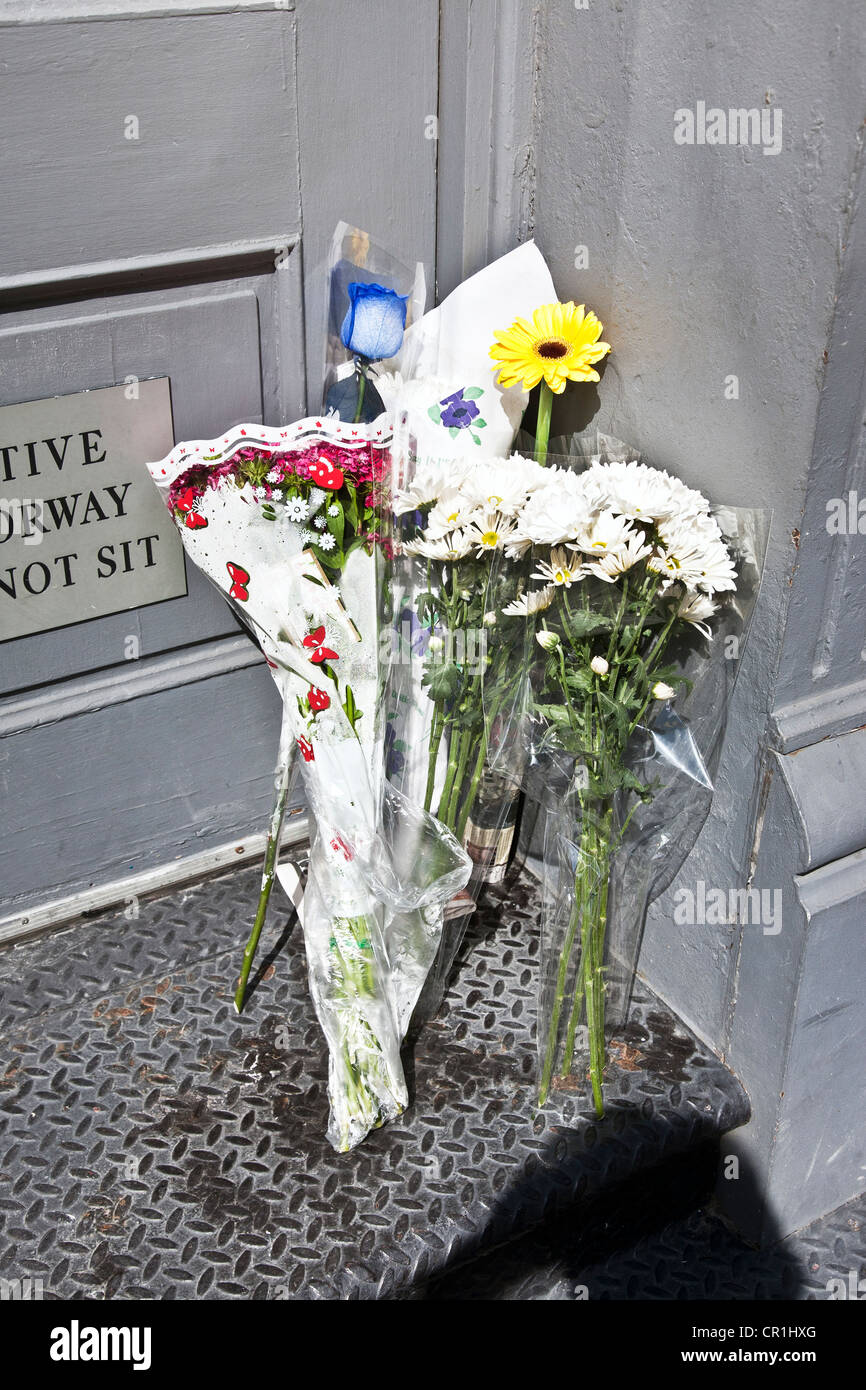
320,522
334,510
534,601
307,537
297,509
562,570
275,476
259,494
326,542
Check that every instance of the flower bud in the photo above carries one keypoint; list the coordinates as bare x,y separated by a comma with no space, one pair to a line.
661,691
489,619
435,644
548,640
599,666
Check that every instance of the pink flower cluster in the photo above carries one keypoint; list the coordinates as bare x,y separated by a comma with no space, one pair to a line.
358,465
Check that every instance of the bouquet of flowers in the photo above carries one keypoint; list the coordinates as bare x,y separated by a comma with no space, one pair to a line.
455,426
626,573
283,521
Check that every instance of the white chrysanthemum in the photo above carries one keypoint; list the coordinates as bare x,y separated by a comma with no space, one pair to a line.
534,601
433,478
502,484
649,494
320,522
562,570
517,544
326,541
548,640
604,533
557,511
614,563
696,608
334,510
600,665
698,558
297,509
489,530
662,691
275,476
451,547
451,512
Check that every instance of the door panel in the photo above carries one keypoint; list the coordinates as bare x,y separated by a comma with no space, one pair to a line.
140,136
152,172
181,335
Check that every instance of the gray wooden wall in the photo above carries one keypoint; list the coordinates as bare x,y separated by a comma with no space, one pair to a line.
189,251
706,263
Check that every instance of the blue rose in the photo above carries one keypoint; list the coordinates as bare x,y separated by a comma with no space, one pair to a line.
373,327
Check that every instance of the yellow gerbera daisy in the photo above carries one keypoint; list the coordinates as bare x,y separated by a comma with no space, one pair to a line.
559,344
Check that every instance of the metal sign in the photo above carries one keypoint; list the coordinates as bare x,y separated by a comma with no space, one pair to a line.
83,532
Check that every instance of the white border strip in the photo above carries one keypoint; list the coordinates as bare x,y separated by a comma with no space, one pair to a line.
119,893
14,12
323,429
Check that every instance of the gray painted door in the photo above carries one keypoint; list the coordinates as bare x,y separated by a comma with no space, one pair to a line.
154,162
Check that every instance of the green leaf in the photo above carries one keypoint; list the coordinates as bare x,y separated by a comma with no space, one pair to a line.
442,679
337,524
351,509
435,414
580,679
353,714
330,559
480,424
584,622
453,431
612,709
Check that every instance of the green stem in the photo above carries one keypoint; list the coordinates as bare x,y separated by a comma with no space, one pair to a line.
542,426
457,786
553,1031
271,851
362,383
581,909
473,788
435,740
450,774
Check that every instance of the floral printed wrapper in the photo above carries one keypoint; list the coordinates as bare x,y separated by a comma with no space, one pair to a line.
284,523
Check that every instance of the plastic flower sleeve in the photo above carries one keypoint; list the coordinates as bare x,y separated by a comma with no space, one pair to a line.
638,590
449,411
453,678
372,298
279,520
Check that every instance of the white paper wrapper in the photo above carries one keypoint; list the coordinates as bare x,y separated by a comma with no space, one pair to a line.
376,876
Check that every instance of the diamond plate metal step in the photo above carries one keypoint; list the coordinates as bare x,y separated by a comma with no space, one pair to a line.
692,1256
154,1145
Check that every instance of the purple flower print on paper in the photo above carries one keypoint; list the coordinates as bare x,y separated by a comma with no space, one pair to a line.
395,752
459,412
